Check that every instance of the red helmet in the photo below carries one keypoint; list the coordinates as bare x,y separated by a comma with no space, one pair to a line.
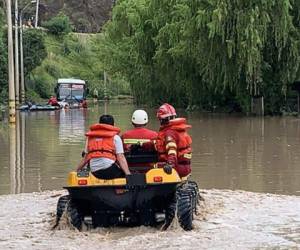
164,111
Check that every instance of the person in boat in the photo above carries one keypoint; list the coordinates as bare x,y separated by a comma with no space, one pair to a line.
104,150
173,142
139,136
53,101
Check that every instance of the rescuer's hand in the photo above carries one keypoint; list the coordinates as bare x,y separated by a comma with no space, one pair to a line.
129,184
168,169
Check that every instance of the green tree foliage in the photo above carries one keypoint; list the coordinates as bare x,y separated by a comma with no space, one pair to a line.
3,60
34,54
74,56
208,53
34,49
58,25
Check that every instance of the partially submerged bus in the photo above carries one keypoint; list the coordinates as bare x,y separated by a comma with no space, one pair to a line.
71,91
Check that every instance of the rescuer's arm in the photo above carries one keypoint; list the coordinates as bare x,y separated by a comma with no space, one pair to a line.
83,161
123,163
171,149
81,164
120,154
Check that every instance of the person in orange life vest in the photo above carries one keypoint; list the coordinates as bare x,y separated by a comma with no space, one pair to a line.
104,150
139,135
173,143
53,101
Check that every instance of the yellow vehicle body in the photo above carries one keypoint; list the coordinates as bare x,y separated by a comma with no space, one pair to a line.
152,177
147,199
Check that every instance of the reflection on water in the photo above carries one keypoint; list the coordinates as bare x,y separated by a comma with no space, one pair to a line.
71,126
250,153
17,156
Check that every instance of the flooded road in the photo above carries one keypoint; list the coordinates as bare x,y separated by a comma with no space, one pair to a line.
228,220
229,152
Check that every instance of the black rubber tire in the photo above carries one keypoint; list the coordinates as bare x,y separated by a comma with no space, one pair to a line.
61,207
192,189
185,210
170,213
75,217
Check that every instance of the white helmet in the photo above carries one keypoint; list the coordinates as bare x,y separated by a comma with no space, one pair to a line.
139,117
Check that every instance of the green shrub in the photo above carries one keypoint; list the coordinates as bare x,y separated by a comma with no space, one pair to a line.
58,25
77,56
43,88
32,96
34,49
52,69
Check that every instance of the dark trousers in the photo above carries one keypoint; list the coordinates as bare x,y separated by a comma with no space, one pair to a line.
110,173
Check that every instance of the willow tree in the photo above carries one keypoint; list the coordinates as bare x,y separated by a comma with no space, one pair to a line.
128,48
205,52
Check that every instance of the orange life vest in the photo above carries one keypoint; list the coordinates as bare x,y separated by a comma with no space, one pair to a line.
101,141
184,150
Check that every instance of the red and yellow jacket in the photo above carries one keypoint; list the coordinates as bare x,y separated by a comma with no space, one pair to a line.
174,145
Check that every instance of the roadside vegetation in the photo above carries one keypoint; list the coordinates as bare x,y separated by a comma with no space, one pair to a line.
197,54
58,53
74,55
3,60
210,55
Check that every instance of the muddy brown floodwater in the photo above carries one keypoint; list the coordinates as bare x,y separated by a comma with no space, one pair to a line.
229,151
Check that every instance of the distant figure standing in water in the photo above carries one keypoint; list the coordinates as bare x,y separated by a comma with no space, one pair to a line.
95,95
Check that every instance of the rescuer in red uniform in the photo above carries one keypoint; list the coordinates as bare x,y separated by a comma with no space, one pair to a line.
173,142
139,135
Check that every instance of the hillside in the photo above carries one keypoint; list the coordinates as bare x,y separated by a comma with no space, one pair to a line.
85,15
74,55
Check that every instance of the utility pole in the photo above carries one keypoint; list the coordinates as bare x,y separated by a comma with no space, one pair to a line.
37,13
22,60
11,80
105,93
105,85
17,78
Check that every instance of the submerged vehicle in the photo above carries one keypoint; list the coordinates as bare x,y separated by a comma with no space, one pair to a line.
150,198
71,92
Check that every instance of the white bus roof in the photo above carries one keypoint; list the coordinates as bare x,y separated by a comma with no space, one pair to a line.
70,80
